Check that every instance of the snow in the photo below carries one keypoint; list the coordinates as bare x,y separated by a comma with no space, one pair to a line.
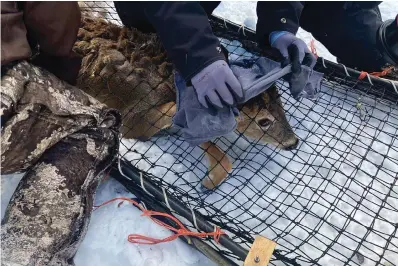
106,240
330,159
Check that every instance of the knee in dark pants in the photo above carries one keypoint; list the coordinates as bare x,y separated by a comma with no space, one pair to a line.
348,31
209,6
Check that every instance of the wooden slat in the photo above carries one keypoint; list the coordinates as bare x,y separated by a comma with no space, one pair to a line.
260,252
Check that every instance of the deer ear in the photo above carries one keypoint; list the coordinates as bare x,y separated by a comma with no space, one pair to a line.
270,95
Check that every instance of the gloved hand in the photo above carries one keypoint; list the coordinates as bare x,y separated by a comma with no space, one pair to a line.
293,50
216,86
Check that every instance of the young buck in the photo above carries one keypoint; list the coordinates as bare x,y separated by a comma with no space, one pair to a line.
129,70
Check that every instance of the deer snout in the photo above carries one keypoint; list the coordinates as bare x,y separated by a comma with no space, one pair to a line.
291,146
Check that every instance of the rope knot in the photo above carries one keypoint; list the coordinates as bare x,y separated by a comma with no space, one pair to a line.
181,231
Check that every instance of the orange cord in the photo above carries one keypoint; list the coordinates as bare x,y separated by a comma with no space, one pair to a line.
376,74
183,231
106,176
313,49
363,73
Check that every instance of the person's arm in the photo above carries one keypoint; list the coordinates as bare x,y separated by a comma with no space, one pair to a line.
186,34
277,25
54,26
277,17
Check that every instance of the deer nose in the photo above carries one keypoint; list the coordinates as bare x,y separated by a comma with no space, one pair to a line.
293,146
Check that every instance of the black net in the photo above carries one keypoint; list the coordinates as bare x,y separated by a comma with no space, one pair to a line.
330,200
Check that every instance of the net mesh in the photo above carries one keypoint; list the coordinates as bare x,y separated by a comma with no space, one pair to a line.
332,200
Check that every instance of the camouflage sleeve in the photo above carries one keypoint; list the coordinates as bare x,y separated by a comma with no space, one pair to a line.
65,139
39,110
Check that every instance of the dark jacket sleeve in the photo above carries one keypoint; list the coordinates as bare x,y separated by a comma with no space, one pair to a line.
55,33
53,25
186,34
26,24
286,16
277,16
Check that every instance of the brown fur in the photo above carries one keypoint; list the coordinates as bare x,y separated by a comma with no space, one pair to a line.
129,70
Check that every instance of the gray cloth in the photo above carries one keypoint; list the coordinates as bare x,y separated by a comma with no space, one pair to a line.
198,124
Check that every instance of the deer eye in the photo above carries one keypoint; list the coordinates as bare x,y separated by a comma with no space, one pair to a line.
264,123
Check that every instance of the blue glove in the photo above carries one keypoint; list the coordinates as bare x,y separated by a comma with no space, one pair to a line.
216,86
293,50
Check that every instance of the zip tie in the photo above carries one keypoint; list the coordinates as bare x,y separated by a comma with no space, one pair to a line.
363,75
143,205
167,200
370,81
141,177
217,234
345,69
120,168
393,84
142,184
194,219
323,62
225,23
243,29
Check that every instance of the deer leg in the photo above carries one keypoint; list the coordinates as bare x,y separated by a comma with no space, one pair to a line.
219,165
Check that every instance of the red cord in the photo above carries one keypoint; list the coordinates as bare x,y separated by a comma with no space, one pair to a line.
106,176
182,231
376,74
363,73
313,49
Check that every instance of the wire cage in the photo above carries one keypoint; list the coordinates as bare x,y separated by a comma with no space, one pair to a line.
332,200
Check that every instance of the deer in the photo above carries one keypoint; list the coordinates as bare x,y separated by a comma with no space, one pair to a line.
129,71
